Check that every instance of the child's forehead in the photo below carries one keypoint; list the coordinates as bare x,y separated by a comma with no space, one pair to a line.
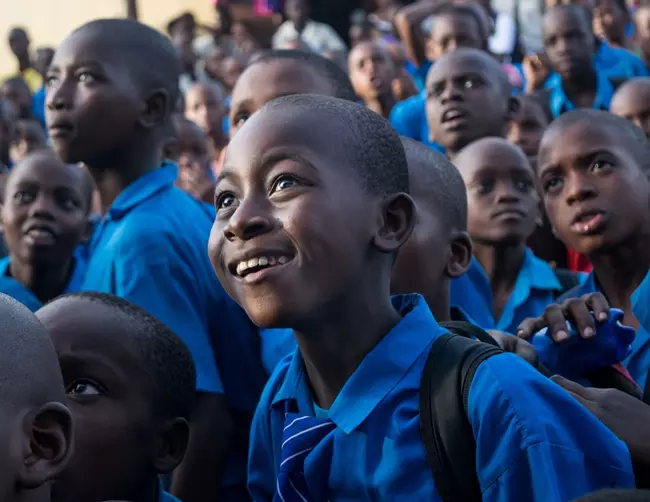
490,154
43,168
569,142
453,67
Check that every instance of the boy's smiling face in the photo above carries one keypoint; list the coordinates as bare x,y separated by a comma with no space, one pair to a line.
93,103
45,213
502,201
287,197
106,388
595,191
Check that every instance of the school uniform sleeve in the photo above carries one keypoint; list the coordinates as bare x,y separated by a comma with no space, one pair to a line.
262,468
406,117
535,442
152,274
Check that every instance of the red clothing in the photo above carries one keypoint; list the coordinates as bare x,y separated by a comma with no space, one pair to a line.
578,262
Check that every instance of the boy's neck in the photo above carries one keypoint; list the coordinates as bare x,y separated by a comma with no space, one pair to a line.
582,89
502,264
47,282
24,63
621,271
335,344
382,105
113,173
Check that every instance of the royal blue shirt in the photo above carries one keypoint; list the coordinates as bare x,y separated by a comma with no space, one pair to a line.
641,303
474,295
535,289
409,119
560,103
619,62
11,287
38,106
638,362
534,441
150,249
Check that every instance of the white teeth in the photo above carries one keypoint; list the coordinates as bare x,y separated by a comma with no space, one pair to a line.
262,261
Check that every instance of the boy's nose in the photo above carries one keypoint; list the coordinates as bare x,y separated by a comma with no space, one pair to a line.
248,221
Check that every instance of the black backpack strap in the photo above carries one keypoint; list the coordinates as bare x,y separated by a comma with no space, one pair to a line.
469,330
446,431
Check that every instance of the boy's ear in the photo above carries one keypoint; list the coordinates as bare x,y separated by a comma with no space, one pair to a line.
173,440
48,438
461,255
397,222
157,107
514,105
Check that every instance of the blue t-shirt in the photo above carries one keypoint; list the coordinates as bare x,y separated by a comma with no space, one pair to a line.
11,287
618,62
536,288
529,432
638,362
409,119
38,106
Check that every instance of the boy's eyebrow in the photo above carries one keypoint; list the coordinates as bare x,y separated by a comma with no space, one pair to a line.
268,160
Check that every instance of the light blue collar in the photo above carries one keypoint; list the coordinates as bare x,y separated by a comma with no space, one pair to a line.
560,103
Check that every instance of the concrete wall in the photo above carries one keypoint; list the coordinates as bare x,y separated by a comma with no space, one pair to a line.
49,21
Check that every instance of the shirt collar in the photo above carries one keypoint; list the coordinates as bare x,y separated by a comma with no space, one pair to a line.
142,189
560,103
386,365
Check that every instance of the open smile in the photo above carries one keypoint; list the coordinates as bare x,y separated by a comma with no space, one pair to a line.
256,267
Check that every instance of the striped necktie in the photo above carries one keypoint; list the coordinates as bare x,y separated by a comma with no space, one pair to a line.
301,435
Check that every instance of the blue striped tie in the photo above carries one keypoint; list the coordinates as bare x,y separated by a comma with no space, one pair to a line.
300,437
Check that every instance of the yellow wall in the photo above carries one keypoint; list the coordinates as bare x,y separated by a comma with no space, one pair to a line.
49,21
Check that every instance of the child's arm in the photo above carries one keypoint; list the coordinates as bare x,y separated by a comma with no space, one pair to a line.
535,442
408,22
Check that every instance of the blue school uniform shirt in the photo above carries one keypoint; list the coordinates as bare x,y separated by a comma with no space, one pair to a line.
409,119
559,103
638,362
150,249
38,106
618,62
419,73
641,303
529,432
473,295
11,287
536,288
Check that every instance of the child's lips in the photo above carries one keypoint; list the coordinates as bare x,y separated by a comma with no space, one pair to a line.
589,222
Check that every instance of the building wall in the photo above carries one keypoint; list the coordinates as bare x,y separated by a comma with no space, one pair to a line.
49,21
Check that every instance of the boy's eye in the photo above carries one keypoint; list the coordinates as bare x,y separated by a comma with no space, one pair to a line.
83,388
240,119
601,166
69,203
224,201
86,78
552,184
524,185
283,182
23,197
484,186
51,80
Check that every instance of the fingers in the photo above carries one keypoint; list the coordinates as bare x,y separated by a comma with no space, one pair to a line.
556,323
599,305
577,312
530,326
577,391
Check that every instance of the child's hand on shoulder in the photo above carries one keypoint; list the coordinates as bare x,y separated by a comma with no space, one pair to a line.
583,313
517,346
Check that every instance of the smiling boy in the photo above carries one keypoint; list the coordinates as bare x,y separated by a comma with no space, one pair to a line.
292,199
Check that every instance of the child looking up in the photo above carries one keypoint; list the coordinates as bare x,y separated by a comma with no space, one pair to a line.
45,216
109,110
468,98
290,202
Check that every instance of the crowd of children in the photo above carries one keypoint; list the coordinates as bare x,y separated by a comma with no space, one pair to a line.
227,272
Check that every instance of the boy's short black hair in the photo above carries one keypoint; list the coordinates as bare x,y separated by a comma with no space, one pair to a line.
375,150
435,175
164,355
185,17
323,66
148,54
625,129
